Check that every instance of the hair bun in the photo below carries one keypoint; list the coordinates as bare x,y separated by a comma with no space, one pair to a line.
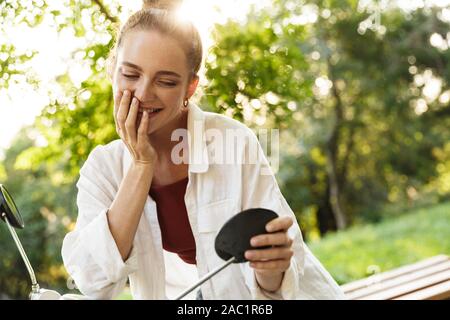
169,5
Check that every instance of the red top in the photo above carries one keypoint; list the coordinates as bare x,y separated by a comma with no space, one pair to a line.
173,219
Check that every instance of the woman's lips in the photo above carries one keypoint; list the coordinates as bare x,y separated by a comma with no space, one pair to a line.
150,110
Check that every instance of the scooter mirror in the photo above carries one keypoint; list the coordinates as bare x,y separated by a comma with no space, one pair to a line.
9,208
233,240
234,237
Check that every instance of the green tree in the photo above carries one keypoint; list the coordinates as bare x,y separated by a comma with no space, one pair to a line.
362,129
348,95
45,200
42,178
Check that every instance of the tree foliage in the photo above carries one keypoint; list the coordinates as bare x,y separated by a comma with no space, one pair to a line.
351,100
363,114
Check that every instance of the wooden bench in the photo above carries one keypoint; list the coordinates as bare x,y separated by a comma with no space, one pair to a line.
425,280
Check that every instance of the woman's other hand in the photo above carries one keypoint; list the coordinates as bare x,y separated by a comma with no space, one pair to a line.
271,263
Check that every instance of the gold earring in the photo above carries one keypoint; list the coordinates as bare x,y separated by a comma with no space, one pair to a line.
186,103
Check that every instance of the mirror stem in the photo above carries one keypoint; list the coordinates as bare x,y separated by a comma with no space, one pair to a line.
34,284
206,277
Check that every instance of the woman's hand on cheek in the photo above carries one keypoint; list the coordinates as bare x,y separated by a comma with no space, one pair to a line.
271,263
126,110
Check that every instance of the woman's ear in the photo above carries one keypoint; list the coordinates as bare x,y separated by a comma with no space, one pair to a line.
192,86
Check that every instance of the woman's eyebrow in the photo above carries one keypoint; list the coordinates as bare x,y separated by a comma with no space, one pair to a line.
159,73
132,65
168,73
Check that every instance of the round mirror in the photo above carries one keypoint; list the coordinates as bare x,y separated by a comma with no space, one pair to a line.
8,207
234,237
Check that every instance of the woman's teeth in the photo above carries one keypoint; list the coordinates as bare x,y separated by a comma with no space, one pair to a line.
149,110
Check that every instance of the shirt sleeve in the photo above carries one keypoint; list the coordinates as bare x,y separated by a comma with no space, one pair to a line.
260,190
89,252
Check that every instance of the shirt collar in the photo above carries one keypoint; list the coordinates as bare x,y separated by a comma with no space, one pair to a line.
198,153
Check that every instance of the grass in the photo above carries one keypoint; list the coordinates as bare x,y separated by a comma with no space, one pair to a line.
350,255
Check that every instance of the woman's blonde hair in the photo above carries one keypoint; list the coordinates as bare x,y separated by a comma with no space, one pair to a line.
159,15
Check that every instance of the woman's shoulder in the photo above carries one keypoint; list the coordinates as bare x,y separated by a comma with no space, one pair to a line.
105,163
113,147
223,123
107,153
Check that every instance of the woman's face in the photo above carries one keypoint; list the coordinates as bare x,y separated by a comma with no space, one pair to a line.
154,68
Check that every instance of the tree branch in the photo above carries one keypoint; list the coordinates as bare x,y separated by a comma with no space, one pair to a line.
350,143
105,11
332,154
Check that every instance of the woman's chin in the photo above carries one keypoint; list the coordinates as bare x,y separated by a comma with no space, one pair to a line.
151,130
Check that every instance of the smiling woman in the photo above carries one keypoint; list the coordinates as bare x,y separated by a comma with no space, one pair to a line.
158,83
136,201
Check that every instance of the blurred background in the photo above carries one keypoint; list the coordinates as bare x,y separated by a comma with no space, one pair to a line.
359,90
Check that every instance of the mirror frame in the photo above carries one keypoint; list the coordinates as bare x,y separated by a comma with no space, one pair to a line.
233,239
8,206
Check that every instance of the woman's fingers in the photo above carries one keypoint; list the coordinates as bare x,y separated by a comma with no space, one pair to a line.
130,123
279,224
270,266
143,127
117,98
275,253
122,113
278,256
270,239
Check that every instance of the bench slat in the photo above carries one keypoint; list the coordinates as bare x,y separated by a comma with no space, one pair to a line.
399,281
440,291
363,283
410,287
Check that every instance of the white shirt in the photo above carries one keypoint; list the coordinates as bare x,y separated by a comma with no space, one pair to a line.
215,192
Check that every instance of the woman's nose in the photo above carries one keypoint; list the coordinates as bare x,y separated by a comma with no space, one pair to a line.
145,91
